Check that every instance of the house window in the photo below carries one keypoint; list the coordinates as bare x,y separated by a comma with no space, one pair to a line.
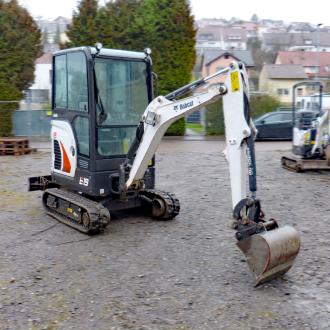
234,37
283,91
299,91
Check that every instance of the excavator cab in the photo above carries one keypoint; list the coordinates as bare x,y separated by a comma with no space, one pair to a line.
311,143
98,98
304,115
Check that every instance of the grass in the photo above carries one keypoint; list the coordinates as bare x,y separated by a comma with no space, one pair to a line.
197,128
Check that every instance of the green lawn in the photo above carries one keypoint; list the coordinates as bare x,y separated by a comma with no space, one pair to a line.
198,128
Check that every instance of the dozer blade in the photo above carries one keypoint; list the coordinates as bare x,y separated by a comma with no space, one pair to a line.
271,253
297,164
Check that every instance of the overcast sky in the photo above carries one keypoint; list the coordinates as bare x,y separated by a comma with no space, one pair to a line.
315,11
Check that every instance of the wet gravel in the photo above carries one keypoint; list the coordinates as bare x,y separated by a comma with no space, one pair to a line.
177,275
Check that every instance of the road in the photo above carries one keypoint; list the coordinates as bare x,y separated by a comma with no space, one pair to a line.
179,275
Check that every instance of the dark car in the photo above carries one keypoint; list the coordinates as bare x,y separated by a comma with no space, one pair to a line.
274,125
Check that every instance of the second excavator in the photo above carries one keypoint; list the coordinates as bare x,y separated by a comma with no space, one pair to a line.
311,131
107,125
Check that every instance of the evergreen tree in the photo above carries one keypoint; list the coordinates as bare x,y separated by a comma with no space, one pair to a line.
254,18
167,27
115,22
83,30
259,55
20,45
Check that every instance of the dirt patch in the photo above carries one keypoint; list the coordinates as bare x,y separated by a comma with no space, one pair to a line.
183,274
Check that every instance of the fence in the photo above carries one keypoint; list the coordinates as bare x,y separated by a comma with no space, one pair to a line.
32,123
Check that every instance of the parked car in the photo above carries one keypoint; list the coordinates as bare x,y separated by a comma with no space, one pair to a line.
275,125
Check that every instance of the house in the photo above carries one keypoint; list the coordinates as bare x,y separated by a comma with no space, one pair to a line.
278,80
212,60
227,38
215,59
251,28
316,65
40,92
204,22
317,40
54,32
298,27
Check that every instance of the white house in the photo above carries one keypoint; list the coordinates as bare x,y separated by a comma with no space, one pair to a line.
40,92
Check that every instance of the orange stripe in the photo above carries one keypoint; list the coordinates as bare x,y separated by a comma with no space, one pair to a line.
66,162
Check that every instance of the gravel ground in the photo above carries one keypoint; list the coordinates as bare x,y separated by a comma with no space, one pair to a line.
177,275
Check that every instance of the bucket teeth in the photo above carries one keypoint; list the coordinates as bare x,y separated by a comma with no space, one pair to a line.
271,253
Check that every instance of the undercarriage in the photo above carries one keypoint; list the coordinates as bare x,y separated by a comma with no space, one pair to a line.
92,215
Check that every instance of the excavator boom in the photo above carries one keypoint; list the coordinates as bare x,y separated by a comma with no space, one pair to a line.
270,250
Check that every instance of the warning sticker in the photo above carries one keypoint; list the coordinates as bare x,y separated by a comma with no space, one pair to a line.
234,81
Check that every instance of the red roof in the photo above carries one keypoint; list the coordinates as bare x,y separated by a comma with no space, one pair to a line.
284,71
45,59
307,59
249,26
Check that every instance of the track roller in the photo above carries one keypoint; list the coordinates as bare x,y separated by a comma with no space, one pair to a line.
163,205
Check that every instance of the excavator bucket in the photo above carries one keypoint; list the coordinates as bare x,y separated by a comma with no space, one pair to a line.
271,253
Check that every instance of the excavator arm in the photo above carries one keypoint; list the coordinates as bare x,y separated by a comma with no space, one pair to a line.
322,132
270,250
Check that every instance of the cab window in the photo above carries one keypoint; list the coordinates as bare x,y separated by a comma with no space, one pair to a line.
77,82
123,97
60,82
70,80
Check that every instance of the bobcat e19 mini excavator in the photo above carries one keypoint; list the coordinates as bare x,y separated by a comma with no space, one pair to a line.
106,128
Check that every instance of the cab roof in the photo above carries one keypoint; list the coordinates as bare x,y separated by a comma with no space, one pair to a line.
106,52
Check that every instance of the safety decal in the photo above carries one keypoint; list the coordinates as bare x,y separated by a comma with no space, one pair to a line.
234,81
66,162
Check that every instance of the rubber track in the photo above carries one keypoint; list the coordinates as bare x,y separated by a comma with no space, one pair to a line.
95,210
171,201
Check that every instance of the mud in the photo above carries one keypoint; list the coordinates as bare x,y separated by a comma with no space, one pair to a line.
177,275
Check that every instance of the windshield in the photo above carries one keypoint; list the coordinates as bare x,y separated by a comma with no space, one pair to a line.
123,90
122,99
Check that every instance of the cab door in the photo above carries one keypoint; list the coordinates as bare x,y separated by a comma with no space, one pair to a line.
71,122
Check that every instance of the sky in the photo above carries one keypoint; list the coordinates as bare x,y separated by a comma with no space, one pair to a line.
315,11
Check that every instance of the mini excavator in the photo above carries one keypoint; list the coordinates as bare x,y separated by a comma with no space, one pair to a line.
311,132
106,127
